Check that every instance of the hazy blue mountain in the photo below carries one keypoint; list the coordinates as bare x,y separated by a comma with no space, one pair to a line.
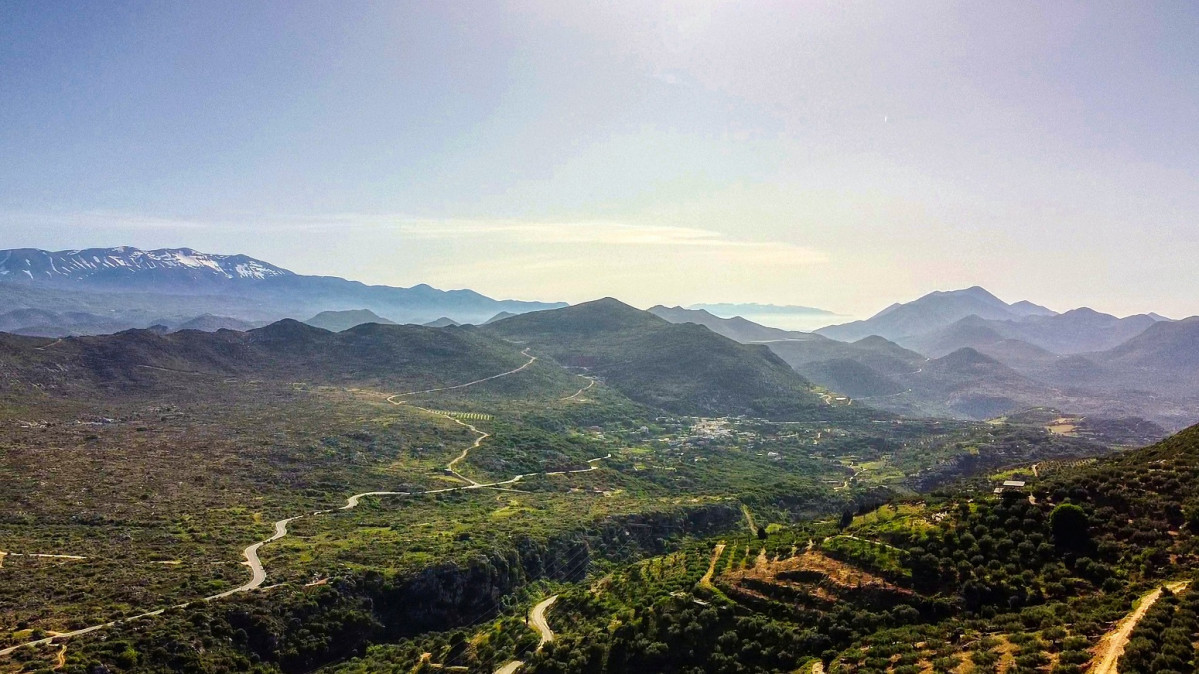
975,385
1164,356
877,353
211,323
499,317
230,285
786,317
735,328
124,268
338,321
1077,331
728,310
1026,308
933,311
43,323
852,378
1082,330
970,332
1154,375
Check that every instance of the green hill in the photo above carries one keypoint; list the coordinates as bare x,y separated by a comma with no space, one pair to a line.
403,357
852,378
683,368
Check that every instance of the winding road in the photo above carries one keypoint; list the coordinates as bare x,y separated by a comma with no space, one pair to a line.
525,353
576,394
258,573
536,621
481,435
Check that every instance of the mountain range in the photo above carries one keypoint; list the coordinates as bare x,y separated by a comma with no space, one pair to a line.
736,328
935,310
134,288
968,354
682,369
961,353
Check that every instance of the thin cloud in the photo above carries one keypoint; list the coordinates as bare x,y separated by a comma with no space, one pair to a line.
694,240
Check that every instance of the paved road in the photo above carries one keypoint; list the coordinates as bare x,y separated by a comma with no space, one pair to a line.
538,622
537,618
257,573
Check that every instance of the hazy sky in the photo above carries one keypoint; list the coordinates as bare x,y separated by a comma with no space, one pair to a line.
842,155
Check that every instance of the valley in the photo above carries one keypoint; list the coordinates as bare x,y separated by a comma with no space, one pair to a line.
500,453
609,337
352,494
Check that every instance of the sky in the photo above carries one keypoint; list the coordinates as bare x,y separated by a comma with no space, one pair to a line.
841,155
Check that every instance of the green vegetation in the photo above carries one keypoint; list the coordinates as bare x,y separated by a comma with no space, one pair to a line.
682,368
1164,639
158,459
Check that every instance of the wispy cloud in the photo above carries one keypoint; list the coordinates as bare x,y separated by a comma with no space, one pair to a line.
575,260
659,238
599,236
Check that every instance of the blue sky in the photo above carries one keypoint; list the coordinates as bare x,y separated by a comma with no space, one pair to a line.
843,155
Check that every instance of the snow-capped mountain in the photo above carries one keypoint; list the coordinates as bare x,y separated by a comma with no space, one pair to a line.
125,266
181,283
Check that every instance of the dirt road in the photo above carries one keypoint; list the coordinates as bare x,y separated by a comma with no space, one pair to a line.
1112,645
706,581
25,554
575,396
524,353
480,435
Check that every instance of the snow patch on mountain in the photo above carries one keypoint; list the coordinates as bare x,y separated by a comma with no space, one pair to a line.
82,264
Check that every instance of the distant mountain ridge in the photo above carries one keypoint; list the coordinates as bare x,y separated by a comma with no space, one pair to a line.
125,267
338,321
1076,331
783,316
934,310
942,322
119,284
986,357
735,328
729,309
